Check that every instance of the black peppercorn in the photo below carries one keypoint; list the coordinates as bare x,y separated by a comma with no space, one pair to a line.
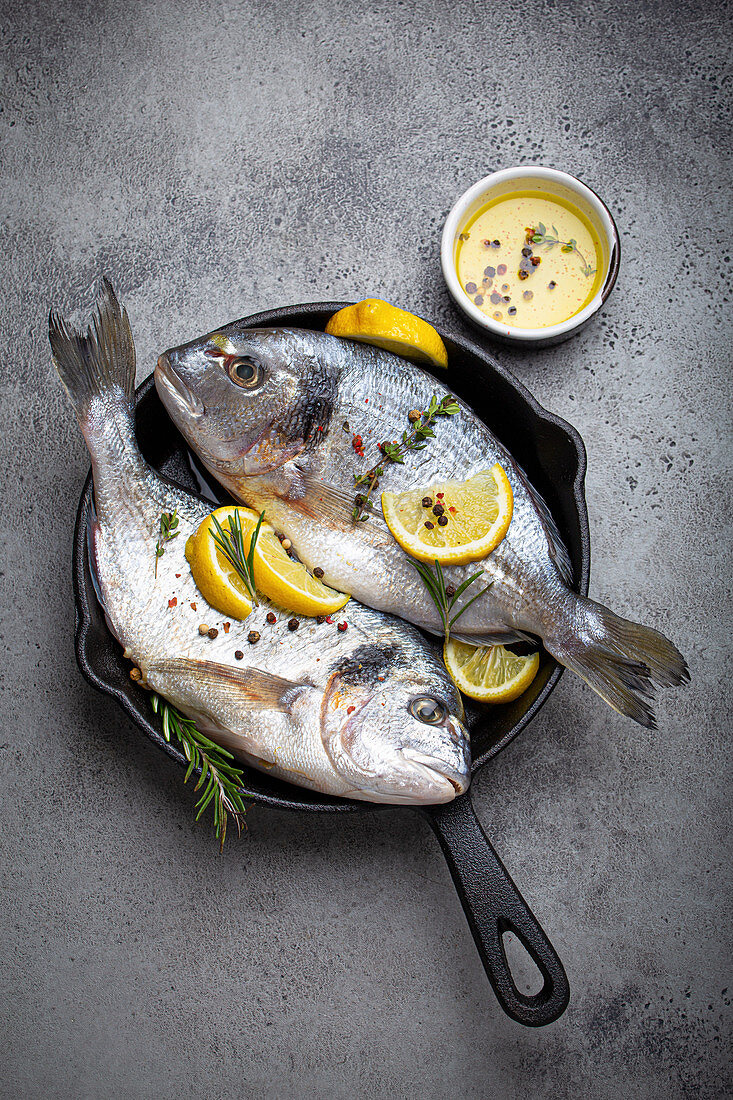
438,510
318,572
496,244
450,590
427,502
238,655
490,271
496,297
442,520
213,633
429,525
522,274
293,624
512,310
528,295
471,288
551,285
479,299
536,260
271,617
253,637
526,251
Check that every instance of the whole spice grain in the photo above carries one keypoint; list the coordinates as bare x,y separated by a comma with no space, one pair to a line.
213,633
318,572
203,628
293,624
271,617
253,637
238,655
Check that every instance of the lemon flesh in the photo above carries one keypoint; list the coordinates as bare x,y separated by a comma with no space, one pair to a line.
374,321
491,674
285,582
479,512
288,583
219,584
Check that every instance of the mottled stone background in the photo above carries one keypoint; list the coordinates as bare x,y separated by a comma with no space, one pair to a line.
220,158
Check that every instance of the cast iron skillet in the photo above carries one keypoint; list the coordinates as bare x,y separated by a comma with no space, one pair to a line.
553,456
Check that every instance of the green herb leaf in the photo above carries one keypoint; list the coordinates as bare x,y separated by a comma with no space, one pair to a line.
220,780
168,525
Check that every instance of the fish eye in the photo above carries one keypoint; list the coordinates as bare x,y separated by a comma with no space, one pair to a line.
427,710
246,372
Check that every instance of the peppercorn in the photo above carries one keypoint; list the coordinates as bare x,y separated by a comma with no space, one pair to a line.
486,244
551,285
522,274
429,525
512,310
271,617
342,627
490,271
450,590
505,287
495,297
479,299
487,282
203,629
287,544
359,499
320,618
536,260
528,295
253,637
318,572
427,502
238,655
135,674
471,288
293,624
506,298
212,633
496,244
525,265
438,510
501,269
526,251
414,415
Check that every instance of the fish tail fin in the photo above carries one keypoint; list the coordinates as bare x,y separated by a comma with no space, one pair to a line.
621,660
100,362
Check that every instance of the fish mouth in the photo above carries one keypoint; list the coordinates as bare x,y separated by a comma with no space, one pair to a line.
448,782
170,385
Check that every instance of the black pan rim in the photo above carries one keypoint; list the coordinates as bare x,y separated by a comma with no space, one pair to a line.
134,701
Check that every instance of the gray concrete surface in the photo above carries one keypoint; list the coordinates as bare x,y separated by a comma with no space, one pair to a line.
219,158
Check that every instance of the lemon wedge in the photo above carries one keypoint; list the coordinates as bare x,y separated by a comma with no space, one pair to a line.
285,582
374,321
217,580
478,514
491,674
288,583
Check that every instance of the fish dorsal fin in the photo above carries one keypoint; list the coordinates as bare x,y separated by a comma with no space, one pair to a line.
262,690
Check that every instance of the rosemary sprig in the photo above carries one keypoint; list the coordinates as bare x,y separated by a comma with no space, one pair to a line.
539,235
231,544
168,525
220,781
445,596
413,439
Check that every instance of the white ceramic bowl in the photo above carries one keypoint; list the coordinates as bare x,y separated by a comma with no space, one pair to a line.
552,182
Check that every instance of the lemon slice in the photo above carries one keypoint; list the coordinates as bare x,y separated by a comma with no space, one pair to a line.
285,582
219,584
288,583
376,322
489,673
478,511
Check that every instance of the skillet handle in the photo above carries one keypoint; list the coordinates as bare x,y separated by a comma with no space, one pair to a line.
493,905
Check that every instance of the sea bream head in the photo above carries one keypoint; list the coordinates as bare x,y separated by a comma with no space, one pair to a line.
248,400
393,726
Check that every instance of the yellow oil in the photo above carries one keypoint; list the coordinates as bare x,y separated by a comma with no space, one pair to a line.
567,277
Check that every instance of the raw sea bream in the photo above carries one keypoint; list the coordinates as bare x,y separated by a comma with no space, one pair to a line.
270,412
369,713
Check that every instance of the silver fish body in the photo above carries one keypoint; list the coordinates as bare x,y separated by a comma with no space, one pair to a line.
369,713
271,414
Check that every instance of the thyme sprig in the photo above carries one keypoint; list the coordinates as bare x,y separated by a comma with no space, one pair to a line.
231,544
445,596
220,781
538,235
413,438
168,525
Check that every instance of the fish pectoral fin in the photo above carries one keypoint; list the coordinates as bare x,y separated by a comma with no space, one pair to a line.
261,689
